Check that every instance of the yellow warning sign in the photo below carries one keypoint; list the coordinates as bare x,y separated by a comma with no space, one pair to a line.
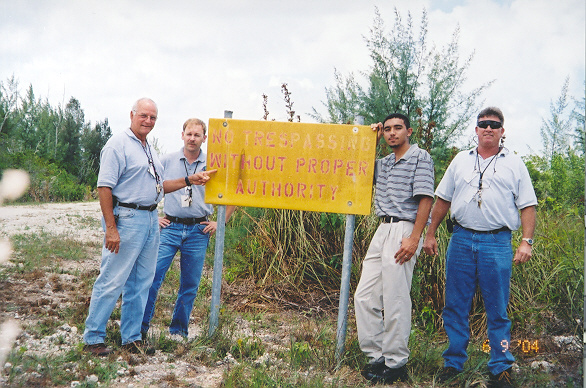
284,165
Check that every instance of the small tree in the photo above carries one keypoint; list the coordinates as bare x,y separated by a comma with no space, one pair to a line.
579,131
408,77
555,131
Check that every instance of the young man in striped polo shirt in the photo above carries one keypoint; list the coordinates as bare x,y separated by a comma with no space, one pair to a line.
404,182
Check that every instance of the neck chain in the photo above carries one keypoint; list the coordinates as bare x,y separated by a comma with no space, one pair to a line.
478,195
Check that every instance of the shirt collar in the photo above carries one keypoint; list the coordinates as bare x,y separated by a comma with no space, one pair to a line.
200,158
412,149
504,151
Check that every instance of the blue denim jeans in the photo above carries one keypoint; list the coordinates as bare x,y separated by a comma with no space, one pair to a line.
483,260
192,242
129,272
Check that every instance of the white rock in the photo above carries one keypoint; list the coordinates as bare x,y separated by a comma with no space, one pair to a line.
75,384
92,379
542,365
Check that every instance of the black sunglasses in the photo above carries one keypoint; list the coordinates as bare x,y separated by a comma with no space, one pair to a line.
493,124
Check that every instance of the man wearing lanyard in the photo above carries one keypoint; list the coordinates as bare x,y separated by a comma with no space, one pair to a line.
486,188
185,227
130,186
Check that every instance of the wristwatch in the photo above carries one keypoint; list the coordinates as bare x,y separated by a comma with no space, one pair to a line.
529,240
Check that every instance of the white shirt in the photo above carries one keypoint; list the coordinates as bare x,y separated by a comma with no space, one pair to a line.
506,188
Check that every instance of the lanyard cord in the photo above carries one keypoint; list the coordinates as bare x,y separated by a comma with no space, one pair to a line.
485,168
189,189
149,155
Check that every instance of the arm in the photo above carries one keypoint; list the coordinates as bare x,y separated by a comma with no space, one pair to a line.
439,211
523,253
112,239
199,178
409,244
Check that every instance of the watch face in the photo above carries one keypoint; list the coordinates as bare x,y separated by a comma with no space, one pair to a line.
529,241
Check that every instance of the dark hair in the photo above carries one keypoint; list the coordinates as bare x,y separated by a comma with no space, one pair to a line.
398,116
492,111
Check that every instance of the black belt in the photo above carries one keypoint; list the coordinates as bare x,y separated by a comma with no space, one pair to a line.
389,219
135,206
495,231
186,221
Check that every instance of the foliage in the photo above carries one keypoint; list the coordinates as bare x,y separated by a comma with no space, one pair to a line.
409,77
559,182
579,131
58,142
556,129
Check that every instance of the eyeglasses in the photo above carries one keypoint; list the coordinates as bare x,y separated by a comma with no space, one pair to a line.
493,124
143,116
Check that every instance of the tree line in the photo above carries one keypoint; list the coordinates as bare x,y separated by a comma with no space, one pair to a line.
56,145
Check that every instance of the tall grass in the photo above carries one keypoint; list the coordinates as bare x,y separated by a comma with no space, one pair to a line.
303,250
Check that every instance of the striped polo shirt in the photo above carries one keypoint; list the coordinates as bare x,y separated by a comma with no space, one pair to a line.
399,182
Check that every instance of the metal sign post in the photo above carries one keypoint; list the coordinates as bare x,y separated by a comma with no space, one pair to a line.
218,263
345,287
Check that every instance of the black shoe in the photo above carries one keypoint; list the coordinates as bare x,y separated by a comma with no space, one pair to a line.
98,350
448,374
391,375
138,347
373,369
502,380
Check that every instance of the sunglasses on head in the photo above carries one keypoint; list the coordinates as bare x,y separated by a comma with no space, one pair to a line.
493,124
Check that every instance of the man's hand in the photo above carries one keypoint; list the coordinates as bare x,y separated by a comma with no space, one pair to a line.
407,250
112,242
163,222
211,227
201,178
430,246
379,128
523,253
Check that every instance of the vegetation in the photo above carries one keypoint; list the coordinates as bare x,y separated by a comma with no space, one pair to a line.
408,76
56,146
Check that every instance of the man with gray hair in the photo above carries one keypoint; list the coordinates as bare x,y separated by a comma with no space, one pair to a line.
130,185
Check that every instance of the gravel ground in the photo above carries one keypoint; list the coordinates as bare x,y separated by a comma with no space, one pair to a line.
81,221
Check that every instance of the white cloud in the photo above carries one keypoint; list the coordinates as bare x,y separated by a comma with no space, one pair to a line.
200,58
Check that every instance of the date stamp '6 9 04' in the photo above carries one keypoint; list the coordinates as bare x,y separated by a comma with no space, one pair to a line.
525,346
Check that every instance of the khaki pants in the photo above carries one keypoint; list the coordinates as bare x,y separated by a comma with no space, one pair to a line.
382,301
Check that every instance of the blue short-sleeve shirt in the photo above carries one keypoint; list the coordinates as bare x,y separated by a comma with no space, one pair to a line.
124,167
177,166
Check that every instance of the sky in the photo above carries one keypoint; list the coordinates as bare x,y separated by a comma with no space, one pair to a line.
198,58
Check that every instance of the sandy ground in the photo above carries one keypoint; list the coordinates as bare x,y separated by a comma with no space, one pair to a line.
78,220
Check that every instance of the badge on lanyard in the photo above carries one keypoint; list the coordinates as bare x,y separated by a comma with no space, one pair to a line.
186,200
